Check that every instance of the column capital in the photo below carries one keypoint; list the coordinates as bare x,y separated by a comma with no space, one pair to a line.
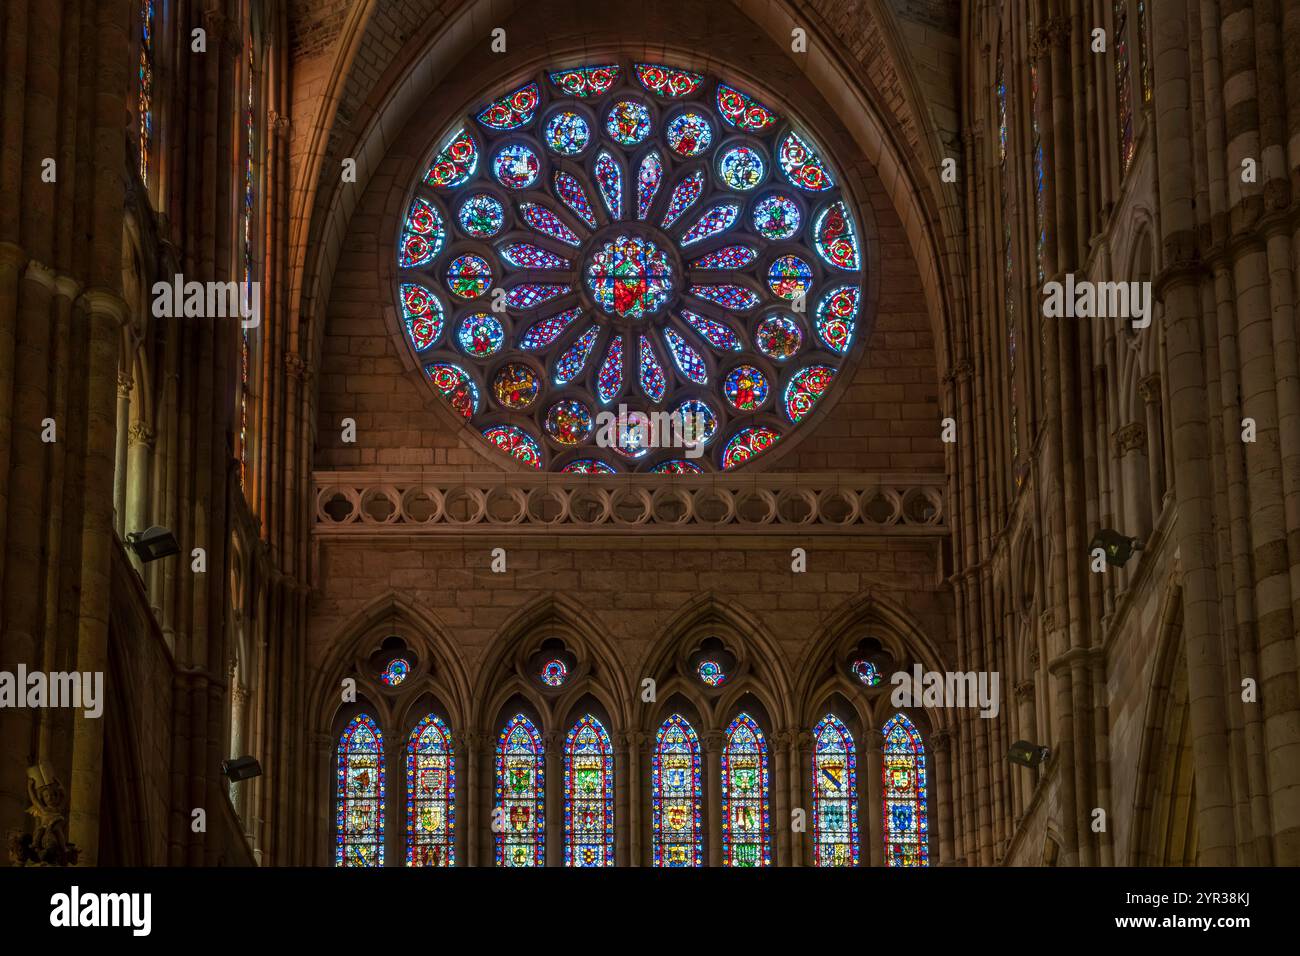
140,433
1149,388
940,740
103,302
1130,437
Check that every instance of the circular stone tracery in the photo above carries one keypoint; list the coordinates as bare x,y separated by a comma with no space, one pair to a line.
635,238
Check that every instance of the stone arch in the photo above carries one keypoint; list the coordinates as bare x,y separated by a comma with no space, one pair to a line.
761,668
599,672
390,611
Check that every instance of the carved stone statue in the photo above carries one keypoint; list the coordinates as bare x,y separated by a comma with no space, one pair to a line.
47,844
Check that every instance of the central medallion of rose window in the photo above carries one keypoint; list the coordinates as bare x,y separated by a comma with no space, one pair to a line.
630,277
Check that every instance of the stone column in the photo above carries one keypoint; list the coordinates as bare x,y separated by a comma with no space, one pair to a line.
124,385
796,766
779,784
711,788
871,799
622,791
322,834
940,799
554,799
636,788
479,783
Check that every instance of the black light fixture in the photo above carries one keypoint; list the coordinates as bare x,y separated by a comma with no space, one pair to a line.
1117,548
1028,755
241,768
153,543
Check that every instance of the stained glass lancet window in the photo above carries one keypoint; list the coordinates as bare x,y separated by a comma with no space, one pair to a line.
250,205
746,825
835,794
430,795
638,178
1123,85
359,795
907,829
144,104
675,795
520,793
1144,53
588,795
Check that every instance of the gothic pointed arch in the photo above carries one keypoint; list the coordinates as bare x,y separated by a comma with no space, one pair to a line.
553,653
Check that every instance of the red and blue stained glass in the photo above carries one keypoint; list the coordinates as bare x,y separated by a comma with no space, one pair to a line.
525,255
653,381
570,192
789,277
609,380
777,217
648,178
430,795
588,795
567,133
834,237
746,444
455,385
516,166
778,337
588,466
568,422
543,333
742,168
481,216
511,111
835,317
588,81
718,335
699,421
728,257
628,123
734,297
677,466
678,839
423,314
521,794
802,164
456,163
746,388
515,442
359,795
667,81
570,365
805,389
907,828
516,386
685,194
609,180
835,795
689,362
529,295
469,276
715,221
743,111
630,277
689,134
548,223
746,818
422,236
480,334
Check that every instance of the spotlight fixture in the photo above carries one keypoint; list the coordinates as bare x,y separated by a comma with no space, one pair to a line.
241,768
153,543
1117,548
1027,754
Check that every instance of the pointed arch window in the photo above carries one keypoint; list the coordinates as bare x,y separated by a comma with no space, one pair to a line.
588,795
1008,252
144,92
430,795
746,824
247,246
521,770
835,795
907,830
359,794
675,795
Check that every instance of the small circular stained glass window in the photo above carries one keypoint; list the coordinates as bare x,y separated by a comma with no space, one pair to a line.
480,334
516,166
866,672
398,669
554,673
567,133
711,673
482,216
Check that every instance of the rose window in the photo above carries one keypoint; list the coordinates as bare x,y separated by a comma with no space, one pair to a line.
630,267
